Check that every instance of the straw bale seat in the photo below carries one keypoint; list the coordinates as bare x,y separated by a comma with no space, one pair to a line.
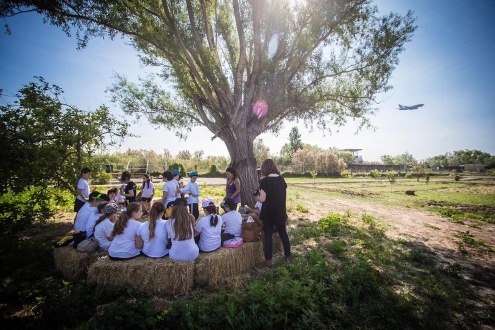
212,268
145,275
73,264
162,276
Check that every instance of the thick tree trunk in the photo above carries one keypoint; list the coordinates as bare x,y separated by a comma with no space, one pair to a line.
240,148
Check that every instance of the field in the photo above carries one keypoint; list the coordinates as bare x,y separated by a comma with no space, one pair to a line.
366,256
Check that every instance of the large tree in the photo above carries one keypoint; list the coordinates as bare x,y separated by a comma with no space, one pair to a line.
242,67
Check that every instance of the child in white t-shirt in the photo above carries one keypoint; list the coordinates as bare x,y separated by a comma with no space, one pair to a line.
180,229
209,227
152,235
147,192
82,189
192,189
104,225
232,220
123,246
90,208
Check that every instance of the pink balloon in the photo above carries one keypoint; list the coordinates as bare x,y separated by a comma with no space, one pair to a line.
260,108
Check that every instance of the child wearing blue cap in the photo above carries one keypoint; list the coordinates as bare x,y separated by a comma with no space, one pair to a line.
192,189
175,180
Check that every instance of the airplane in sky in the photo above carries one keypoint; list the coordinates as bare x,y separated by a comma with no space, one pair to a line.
412,107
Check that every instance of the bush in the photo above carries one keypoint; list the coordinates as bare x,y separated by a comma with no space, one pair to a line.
213,172
345,173
100,178
19,210
408,176
375,174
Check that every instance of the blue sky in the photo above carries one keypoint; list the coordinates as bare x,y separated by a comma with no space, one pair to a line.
447,66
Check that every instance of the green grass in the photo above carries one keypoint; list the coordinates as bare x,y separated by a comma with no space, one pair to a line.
354,277
461,201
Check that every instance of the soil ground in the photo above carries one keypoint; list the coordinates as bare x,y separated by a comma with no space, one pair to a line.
427,228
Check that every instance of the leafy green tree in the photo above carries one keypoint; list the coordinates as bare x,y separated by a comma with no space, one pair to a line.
406,159
285,157
261,151
46,142
418,170
473,157
388,160
392,178
242,67
198,156
346,156
295,140
184,155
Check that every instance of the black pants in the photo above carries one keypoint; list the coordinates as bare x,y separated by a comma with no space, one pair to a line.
282,232
194,210
78,204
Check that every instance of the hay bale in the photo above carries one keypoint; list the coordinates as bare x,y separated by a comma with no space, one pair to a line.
145,275
211,268
73,264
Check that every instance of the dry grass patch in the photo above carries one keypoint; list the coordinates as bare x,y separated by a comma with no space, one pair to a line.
145,275
73,264
211,268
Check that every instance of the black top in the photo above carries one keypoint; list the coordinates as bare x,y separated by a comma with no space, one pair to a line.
130,186
274,209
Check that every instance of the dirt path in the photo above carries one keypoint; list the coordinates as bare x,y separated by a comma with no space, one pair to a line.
432,230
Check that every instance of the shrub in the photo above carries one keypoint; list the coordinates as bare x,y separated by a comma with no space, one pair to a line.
375,174
19,210
213,172
100,178
408,176
301,208
345,173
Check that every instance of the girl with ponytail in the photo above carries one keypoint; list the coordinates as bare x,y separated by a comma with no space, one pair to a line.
124,232
152,235
180,229
209,227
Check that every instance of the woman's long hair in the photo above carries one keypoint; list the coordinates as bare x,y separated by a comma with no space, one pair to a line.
212,210
147,180
183,223
233,171
121,222
157,209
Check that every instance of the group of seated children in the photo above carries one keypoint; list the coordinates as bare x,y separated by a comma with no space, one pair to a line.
124,237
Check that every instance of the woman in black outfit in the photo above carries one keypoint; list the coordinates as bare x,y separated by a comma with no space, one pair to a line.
273,193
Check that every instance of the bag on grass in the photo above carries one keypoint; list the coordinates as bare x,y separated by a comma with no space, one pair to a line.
89,245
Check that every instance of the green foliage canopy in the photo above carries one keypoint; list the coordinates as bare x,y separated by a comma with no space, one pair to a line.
46,141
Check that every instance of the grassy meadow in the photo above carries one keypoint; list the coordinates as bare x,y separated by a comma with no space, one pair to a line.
346,272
